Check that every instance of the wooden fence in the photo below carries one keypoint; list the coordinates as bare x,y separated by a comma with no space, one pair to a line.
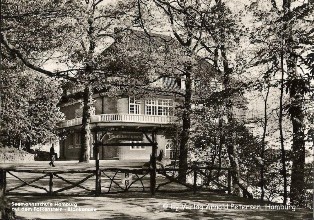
113,180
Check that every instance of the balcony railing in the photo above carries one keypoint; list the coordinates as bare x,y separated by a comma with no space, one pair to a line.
70,123
127,118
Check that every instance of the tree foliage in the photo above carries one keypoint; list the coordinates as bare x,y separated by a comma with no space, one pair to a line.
29,112
66,38
265,47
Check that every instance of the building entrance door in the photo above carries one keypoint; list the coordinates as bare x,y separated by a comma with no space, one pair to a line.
110,152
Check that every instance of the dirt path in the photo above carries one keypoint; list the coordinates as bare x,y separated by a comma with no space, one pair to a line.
138,205
162,206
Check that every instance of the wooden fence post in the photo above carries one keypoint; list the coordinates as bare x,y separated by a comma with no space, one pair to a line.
3,183
126,180
229,181
194,167
50,183
3,213
153,163
98,172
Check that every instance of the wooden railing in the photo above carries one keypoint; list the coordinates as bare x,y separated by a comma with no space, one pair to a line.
145,119
112,180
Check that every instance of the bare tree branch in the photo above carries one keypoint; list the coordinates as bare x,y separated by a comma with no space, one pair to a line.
16,52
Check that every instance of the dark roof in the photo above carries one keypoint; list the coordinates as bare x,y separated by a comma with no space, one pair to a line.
143,45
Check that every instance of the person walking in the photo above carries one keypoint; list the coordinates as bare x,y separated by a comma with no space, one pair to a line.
52,156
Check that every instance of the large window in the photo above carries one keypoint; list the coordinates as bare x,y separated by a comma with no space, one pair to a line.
134,106
159,107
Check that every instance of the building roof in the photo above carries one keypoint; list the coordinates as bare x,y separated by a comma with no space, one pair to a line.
133,53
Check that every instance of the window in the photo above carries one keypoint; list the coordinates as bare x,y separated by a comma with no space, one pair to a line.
169,145
77,140
151,107
134,106
170,152
134,147
159,107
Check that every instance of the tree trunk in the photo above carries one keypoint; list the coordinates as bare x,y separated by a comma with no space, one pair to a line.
233,163
297,189
85,130
221,141
228,104
263,145
229,135
28,144
282,147
186,125
296,85
88,90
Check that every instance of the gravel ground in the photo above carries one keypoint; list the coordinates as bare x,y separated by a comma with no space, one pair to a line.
143,206
134,205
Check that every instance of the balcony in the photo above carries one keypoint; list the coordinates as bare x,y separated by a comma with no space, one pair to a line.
122,118
70,123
